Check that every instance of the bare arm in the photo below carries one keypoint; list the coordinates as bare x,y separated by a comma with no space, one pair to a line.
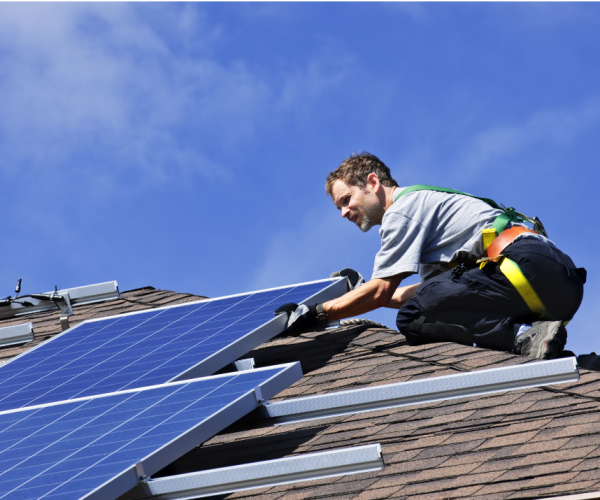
402,295
372,295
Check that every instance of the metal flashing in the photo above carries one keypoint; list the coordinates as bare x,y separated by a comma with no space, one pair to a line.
16,334
70,297
422,391
260,474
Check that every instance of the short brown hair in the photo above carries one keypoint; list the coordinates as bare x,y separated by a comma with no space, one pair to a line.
354,171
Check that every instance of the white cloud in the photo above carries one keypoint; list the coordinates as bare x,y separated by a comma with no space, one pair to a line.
547,126
78,78
102,90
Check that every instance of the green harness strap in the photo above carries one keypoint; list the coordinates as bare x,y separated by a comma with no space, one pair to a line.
500,223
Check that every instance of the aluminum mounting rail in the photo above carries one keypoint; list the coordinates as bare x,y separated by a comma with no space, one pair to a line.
422,391
579,496
72,296
260,474
16,334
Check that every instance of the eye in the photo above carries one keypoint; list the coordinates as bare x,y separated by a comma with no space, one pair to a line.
344,201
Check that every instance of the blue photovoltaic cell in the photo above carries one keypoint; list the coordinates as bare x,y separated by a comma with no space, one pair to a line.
137,350
67,450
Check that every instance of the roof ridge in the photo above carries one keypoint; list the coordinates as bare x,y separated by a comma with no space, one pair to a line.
139,289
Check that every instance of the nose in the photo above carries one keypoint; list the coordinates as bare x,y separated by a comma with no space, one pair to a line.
345,211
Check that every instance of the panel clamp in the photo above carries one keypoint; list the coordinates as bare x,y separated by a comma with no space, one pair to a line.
260,401
141,475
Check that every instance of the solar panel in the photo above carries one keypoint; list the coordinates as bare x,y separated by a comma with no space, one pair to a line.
88,448
151,347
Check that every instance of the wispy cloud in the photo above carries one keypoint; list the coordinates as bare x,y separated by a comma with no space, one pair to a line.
550,127
96,80
104,91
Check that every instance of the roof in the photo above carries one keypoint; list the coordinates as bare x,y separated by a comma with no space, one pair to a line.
530,443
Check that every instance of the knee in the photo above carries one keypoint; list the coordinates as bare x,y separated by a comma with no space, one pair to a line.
419,332
403,325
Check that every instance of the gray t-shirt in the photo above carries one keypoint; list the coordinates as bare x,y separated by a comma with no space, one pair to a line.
425,230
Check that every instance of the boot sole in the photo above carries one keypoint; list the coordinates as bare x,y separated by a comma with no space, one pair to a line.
542,347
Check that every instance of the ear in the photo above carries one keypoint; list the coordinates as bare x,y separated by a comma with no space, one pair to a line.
373,182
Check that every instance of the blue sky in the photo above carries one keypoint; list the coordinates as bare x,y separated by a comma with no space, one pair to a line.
185,146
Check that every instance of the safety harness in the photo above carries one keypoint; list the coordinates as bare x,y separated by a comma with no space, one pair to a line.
496,239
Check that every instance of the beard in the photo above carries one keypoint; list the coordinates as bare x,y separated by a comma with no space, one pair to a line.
370,216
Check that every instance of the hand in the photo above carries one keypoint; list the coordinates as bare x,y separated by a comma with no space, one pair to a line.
300,317
355,279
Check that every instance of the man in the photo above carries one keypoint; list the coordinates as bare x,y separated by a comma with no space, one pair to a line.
439,234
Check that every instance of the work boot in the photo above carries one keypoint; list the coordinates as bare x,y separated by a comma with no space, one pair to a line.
544,340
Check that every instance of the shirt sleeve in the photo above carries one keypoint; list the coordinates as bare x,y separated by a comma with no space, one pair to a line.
402,240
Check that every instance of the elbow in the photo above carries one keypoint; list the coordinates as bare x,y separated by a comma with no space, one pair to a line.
383,295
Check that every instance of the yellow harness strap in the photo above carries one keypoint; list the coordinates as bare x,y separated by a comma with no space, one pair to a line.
488,236
513,272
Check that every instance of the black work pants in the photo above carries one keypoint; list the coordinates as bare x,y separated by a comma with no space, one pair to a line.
485,303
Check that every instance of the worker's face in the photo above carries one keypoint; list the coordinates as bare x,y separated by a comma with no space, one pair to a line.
358,205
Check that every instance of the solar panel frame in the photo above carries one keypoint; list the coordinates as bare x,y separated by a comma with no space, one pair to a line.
138,452
262,334
46,389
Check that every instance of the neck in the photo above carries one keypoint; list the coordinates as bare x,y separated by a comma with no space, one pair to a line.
389,196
